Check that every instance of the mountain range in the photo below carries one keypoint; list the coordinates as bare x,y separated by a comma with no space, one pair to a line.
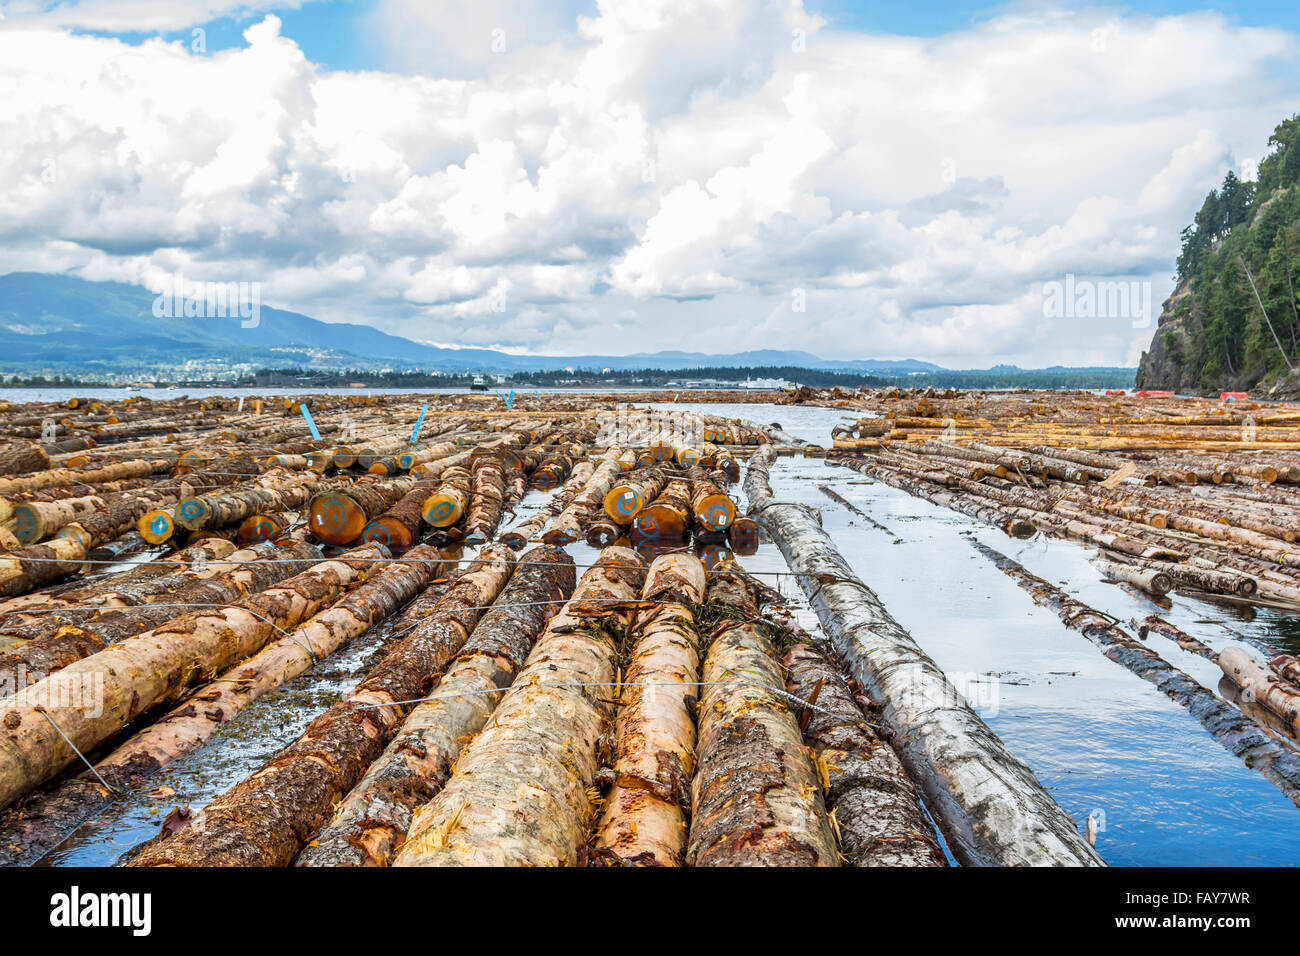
61,324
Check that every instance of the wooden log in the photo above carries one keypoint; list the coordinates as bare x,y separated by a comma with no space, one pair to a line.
569,525
370,823
266,819
520,794
35,521
340,516
23,459
487,498
1261,684
1148,578
877,812
711,507
990,807
644,822
42,823
668,517
446,506
518,535
127,679
757,798
250,572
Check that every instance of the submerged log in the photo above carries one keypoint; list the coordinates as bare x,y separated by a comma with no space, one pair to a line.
520,792
370,824
1238,734
990,807
757,798
266,819
645,812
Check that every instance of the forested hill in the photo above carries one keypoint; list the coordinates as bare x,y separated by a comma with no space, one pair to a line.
1213,334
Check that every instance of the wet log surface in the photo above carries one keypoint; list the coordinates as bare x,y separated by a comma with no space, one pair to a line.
372,821
520,794
990,807
266,819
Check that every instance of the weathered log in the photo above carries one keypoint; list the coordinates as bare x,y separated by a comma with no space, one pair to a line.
757,798
69,642
1238,734
875,807
23,459
520,792
40,824
988,804
518,535
570,524
95,698
644,822
266,819
487,498
370,824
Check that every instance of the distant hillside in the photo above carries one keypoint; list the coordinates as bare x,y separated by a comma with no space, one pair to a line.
53,325
1213,335
63,324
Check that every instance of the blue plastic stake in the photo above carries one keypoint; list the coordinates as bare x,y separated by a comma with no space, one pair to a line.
510,399
419,423
315,432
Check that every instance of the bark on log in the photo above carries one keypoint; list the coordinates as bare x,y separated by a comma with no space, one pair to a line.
137,674
487,498
266,819
372,821
44,822
990,807
71,642
877,813
644,822
520,792
518,535
571,523
757,798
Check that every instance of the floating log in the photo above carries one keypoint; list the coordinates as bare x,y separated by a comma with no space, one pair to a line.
668,517
520,792
757,798
266,819
518,535
131,677
370,823
1237,733
644,822
877,813
990,807
42,823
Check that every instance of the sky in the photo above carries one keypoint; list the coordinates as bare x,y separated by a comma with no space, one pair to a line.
876,180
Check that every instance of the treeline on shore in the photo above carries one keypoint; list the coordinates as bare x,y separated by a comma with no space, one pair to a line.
1001,377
